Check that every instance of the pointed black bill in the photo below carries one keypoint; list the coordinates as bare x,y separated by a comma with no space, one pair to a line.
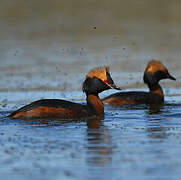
112,86
171,77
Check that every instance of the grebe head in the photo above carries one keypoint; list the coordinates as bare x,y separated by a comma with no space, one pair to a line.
155,71
98,80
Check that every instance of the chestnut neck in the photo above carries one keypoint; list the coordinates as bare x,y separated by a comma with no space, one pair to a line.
156,89
95,104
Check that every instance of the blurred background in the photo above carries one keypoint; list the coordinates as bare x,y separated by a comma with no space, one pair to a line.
51,45
46,49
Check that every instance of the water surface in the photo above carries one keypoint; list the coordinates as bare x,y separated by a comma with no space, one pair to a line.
46,49
131,141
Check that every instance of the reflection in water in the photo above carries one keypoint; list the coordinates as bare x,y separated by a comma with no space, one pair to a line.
99,143
155,109
156,130
156,123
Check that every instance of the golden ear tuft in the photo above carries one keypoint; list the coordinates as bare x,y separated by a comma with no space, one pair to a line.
99,72
155,65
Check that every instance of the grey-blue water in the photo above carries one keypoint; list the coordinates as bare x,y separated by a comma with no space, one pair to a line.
130,142
46,50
